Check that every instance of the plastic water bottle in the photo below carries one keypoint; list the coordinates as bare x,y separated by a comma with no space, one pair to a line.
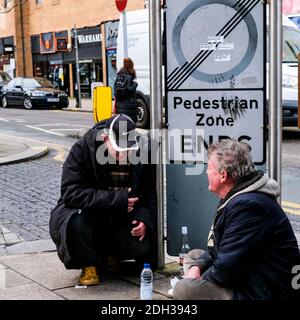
146,283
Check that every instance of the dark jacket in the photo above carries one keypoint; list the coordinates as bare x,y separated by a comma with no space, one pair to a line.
128,105
84,187
252,247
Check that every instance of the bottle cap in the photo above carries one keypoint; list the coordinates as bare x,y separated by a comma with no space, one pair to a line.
146,265
184,230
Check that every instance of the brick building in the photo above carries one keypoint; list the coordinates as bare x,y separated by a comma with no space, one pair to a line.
37,39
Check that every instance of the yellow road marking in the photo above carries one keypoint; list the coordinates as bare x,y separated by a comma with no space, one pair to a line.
291,211
290,204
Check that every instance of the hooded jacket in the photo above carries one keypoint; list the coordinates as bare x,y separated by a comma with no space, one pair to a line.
252,248
128,105
84,187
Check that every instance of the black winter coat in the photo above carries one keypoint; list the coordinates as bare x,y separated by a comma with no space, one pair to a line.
128,105
84,187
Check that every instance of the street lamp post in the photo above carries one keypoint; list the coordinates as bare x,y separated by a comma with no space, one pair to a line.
78,97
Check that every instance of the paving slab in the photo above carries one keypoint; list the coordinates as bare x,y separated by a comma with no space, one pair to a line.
14,150
44,268
31,247
162,286
115,289
9,237
31,291
13,279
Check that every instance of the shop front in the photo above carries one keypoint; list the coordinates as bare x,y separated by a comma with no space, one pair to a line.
48,58
90,59
7,56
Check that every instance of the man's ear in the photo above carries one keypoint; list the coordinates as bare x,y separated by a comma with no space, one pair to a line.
224,176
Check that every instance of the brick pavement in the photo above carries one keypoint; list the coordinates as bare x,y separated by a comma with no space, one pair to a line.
29,191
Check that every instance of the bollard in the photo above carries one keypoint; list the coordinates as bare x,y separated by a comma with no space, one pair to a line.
102,103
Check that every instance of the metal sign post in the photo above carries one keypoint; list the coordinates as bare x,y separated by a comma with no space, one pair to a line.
121,5
78,100
275,107
299,90
125,35
157,114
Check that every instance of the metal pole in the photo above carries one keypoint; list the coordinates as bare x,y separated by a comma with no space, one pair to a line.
23,38
78,102
157,114
125,35
299,90
275,100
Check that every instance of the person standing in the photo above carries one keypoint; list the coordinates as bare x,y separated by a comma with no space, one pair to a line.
252,249
125,90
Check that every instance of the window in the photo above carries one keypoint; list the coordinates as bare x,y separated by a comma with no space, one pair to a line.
39,2
11,84
291,44
5,4
36,83
4,77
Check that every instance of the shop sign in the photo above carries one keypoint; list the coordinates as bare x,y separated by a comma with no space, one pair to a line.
47,43
61,44
111,32
8,49
89,38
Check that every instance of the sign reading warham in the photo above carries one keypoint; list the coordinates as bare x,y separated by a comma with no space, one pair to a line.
89,38
215,71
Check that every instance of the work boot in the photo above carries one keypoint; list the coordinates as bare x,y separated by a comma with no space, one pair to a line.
89,276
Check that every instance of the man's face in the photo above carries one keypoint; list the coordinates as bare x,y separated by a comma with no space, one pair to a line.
214,176
119,156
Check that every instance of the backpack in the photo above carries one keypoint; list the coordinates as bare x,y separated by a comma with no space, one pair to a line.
120,87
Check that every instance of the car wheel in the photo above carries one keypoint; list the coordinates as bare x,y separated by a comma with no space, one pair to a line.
142,114
27,103
4,102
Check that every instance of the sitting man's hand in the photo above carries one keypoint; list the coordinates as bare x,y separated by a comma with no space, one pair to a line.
193,272
139,230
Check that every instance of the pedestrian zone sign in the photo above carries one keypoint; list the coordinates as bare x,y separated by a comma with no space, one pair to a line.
215,70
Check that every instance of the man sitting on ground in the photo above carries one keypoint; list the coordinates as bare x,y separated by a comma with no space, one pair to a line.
252,248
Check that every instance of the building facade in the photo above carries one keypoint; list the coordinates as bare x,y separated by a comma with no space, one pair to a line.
37,38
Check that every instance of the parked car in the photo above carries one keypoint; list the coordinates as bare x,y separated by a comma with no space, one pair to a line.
33,92
4,79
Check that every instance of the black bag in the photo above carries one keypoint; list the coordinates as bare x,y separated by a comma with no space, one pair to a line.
120,87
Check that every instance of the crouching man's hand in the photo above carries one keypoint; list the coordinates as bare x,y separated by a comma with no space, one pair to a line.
139,230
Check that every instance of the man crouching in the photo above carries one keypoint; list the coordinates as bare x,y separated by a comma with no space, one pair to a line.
107,205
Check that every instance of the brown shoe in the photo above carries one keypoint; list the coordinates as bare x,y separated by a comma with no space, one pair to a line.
89,276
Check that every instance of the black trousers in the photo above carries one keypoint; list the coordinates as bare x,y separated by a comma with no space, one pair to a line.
92,237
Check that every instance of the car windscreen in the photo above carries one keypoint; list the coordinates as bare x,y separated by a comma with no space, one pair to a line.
5,77
291,44
37,83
